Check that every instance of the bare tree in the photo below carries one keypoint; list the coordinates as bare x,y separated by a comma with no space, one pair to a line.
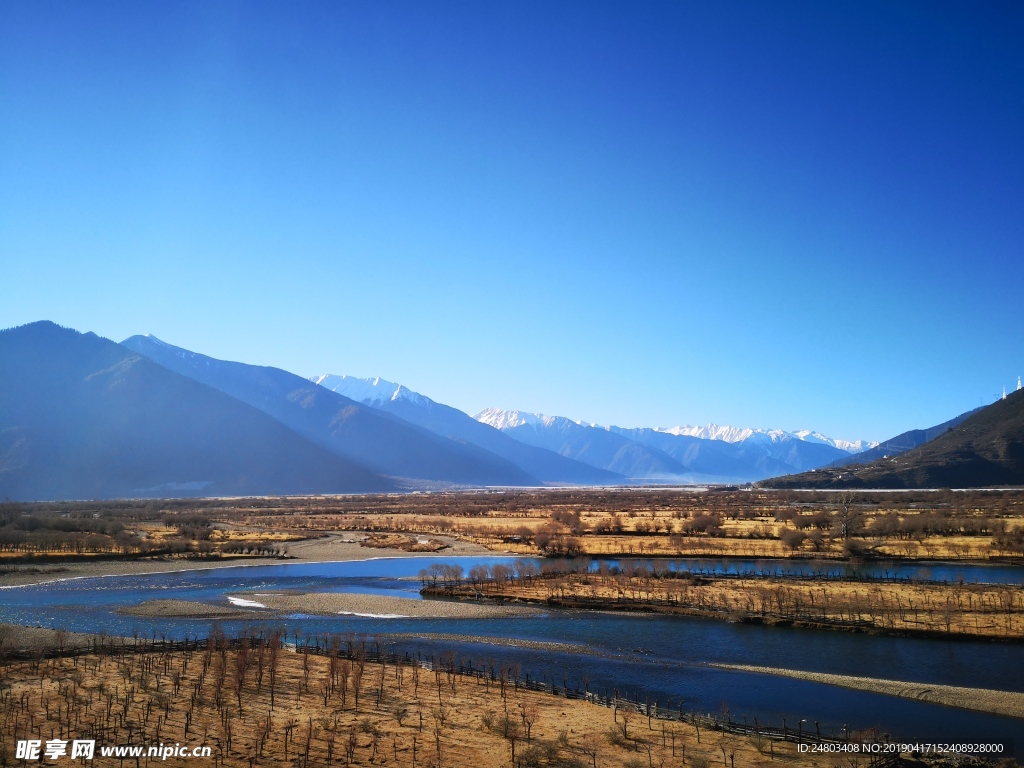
511,732
848,518
626,714
590,745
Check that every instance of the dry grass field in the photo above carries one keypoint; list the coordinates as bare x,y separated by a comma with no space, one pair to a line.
939,525
267,704
672,522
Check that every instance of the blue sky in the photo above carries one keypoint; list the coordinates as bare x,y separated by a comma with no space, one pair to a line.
769,214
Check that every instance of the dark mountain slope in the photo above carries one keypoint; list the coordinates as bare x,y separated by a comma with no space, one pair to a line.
385,443
83,417
904,442
986,449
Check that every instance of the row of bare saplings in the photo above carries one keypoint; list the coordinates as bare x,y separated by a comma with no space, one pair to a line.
362,650
453,574
957,610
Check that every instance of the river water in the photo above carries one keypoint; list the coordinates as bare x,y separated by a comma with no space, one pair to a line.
660,658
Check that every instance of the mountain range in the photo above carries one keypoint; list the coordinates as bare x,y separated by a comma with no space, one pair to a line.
384,443
670,455
905,441
549,467
634,455
84,417
983,448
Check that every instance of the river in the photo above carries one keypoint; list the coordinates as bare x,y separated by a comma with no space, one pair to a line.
648,656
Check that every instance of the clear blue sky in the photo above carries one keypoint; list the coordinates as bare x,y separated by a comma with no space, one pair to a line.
772,214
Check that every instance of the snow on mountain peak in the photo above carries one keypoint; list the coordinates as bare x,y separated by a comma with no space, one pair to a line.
500,419
510,419
738,434
711,432
368,391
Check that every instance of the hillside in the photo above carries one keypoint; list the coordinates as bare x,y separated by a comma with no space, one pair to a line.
545,465
385,443
83,417
986,449
904,441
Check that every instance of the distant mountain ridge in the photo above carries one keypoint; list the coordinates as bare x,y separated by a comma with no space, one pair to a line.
691,454
508,419
386,443
84,418
984,449
549,467
739,434
591,445
906,441
367,391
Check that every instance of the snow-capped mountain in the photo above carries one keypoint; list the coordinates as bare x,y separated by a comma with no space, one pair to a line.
499,419
587,443
504,419
348,429
710,432
445,421
739,434
711,453
368,391
850,446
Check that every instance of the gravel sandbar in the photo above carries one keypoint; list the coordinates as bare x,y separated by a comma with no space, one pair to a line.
333,603
980,699
188,609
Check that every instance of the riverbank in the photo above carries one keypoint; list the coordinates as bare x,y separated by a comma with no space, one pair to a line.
334,547
1008,703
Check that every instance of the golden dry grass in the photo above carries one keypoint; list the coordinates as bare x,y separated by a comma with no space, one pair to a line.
977,610
405,716
750,525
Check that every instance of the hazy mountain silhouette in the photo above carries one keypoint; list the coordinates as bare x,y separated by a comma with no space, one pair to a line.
664,455
760,455
83,417
596,446
385,443
442,419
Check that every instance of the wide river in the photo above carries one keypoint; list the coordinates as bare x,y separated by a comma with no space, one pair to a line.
666,659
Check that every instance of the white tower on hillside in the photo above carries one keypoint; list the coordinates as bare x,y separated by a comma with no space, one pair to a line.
1018,384
1004,393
